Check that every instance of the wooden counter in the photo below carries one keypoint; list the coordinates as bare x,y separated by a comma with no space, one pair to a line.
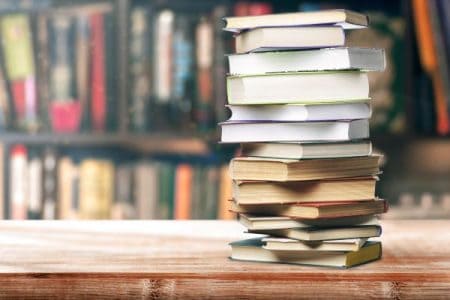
189,259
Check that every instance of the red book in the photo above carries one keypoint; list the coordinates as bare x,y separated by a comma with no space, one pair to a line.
98,92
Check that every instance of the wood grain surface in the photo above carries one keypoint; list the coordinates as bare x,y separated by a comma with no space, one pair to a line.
189,259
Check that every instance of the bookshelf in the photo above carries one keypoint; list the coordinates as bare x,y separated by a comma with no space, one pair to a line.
189,135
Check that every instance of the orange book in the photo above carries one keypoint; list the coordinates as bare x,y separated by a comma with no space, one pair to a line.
225,194
429,61
183,187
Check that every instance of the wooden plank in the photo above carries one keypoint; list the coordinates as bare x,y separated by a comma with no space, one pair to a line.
189,259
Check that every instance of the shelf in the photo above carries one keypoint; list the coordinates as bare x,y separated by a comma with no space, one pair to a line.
164,142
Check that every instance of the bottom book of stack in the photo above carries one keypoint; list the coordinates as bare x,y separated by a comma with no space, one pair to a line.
337,242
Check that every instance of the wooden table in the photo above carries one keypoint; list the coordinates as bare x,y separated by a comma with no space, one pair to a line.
168,259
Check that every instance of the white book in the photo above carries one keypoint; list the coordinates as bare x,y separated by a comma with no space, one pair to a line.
233,132
307,150
337,17
299,112
273,38
257,222
307,60
298,88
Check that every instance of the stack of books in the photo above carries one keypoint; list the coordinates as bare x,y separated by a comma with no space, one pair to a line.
299,98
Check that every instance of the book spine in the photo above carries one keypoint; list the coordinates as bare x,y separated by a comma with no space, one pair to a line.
98,93
2,182
139,69
43,69
111,72
82,64
204,58
18,182
20,68
225,194
49,184
183,71
34,187
96,186
65,181
183,192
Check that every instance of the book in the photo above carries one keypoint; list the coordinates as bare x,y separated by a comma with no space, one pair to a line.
209,207
140,77
277,38
323,234
225,193
18,182
183,191
428,59
307,150
256,222
204,57
284,244
166,172
298,87
124,206
344,18
97,72
4,100
253,250
65,173
299,112
3,186
368,59
269,192
34,191
96,189
49,183
251,168
146,190
317,210
326,131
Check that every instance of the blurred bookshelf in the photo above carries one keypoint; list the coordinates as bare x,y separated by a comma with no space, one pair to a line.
127,94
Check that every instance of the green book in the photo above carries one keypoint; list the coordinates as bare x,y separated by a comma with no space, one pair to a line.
253,250
17,46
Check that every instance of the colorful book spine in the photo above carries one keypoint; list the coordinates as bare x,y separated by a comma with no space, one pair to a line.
20,68
98,88
183,192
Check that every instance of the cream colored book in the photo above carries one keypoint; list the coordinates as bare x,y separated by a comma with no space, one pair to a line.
255,222
285,244
251,168
323,234
273,38
338,17
253,250
315,210
295,150
269,192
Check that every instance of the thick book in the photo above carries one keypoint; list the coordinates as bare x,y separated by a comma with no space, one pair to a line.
253,250
96,189
298,87
299,112
320,131
18,166
34,185
49,183
307,60
256,222
251,168
269,192
66,170
285,244
314,210
146,192
274,39
324,234
344,18
307,150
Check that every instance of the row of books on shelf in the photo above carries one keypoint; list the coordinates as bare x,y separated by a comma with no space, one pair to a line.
60,67
45,184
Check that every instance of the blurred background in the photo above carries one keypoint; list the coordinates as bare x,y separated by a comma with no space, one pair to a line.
109,109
